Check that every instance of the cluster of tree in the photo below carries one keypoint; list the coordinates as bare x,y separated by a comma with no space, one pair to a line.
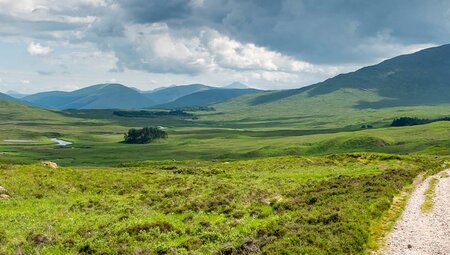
197,109
408,121
144,135
152,114
366,126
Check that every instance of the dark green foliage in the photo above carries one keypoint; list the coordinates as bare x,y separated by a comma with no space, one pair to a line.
145,135
408,121
197,109
152,114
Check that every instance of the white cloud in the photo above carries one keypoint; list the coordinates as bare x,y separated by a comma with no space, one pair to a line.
37,49
25,81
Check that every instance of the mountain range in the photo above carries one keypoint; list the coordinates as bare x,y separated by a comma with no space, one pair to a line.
421,78
118,96
417,79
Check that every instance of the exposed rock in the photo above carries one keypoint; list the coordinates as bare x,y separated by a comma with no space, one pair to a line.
3,190
4,193
50,164
4,196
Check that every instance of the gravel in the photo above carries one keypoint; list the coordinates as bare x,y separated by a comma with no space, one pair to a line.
418,233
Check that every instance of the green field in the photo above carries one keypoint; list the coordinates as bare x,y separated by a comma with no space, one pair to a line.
287,205
97,135
222,183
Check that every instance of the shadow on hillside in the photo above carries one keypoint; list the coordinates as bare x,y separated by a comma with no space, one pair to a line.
270,97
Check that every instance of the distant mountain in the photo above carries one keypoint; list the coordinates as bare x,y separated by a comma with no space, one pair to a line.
169,94
102,96
15,94
236,85
7,97
208,97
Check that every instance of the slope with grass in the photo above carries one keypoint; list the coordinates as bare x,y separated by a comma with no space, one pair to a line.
417,84
208,97
290,205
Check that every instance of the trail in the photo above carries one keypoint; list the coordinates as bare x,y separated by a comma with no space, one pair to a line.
419,233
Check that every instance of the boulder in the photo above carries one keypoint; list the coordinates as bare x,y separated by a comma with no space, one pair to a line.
4,196
3,193
50,164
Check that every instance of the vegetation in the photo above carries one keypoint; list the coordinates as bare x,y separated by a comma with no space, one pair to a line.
152,114
408,121
287,205
144,135
197,109
429,195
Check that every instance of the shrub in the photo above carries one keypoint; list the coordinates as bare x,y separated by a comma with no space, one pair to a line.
144,135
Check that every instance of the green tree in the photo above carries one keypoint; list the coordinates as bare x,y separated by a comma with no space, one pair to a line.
144,135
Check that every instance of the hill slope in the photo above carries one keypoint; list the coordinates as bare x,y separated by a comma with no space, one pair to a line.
102,96
166,95
6,97
208,97
421,78
417,84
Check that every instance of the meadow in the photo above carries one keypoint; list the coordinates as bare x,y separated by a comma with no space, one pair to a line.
221,183
281,205
97,136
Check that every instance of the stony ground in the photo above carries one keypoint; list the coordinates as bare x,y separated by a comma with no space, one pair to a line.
424,233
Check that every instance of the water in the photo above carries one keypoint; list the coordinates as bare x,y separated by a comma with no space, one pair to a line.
18,141
61,142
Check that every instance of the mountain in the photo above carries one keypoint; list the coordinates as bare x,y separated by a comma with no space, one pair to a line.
15,94
101,96
236,85
416,85
208,97
7,97
169,94
421,78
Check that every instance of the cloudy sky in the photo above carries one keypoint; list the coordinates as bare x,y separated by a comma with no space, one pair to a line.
271,44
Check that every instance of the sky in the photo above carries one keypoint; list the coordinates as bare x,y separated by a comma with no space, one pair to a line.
268,44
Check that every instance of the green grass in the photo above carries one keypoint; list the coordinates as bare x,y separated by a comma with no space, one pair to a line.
216,135
429,195
284,205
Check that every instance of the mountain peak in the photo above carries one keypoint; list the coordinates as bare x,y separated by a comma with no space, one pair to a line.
236,85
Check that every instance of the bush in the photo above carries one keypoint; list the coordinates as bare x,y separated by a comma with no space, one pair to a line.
145,135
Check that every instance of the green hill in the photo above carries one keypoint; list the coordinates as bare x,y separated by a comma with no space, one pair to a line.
417,83
102,96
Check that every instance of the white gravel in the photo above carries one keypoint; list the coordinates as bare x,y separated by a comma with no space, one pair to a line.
418,233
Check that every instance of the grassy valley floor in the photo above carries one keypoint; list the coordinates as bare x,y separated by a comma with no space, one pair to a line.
282,205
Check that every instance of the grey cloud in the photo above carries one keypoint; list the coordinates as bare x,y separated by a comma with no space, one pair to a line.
321,32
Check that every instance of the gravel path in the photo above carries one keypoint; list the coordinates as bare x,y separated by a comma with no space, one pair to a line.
418,233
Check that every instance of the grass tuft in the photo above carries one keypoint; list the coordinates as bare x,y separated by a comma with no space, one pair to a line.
429,194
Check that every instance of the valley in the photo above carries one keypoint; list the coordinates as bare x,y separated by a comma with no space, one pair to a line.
315,170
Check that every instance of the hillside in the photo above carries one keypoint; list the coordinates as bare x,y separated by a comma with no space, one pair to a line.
166,95
421,78
7,97
405,83
102,96
208,97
